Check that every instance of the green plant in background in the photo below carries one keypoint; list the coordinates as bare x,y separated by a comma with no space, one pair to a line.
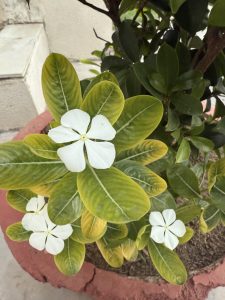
124,196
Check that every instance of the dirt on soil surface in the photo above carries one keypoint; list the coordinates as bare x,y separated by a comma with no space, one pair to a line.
200,252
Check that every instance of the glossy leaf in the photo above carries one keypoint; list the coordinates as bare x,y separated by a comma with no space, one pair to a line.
163,201
17,233
202,143
143,237
103,199
140,117
45,189
113,256
183,152
217,193
167,263
215,169
42,145
18,199
104,98
183,182
175,5
188,212
152,183
60,84
64,205
168,65
78,235
129,250
216,17
210,218
187,236
71,259
105,76
116,231
146,152
20,168
92,227
187,104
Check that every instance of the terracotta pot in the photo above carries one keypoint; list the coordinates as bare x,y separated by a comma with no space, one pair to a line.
100,284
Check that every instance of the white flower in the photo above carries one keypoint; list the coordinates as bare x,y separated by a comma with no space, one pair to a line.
75,128
165,228
46,235
35,208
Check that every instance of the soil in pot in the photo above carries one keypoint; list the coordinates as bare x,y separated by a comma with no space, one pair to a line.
200,252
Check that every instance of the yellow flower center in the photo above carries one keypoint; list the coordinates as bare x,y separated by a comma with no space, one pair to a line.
83,137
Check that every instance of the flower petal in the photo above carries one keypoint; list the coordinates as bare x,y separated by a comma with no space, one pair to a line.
101,155
62,231
54,245
34,222
62,134
41,202
169,216
171,241
157,234
37,240
76,119
73,156
35,204
101,129
49,224
155,218
178,228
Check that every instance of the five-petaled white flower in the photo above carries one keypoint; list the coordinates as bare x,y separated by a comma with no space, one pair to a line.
46,235
165,228
75,127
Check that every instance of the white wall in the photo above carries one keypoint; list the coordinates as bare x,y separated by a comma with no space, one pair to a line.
69,26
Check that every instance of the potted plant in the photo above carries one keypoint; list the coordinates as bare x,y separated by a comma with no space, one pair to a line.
128,179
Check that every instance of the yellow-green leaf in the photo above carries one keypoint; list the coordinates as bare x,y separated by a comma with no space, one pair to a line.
187,236
113,256
78,235
64,204
21,169
71,259
17,233
167,263
61,86
105,98
140,117
92,227
103,198
210,218
146,152
129,250
215,169
18,199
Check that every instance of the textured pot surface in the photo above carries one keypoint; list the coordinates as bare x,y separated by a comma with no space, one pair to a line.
100,284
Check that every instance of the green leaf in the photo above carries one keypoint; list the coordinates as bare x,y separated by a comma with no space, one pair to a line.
129,250
104,98
187,236
146,152
45,189
42,145
173,120
217,193
21,169
17,233
210,218
71,259
116,231
168,65
183,152
188,212
175,5
148,180
187,104
167,263
103,199
127,5
163,201
140,117
60,84
202,143
105,76
215,169
64,205
18,199
216,17
183,182
129,41
113,256
92,227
